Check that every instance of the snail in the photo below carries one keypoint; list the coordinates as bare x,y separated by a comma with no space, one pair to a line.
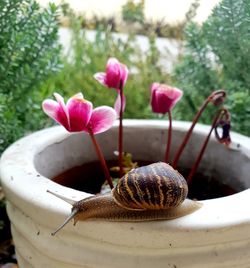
153,192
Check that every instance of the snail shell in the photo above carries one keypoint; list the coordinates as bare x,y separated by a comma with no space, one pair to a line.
156,186
153,192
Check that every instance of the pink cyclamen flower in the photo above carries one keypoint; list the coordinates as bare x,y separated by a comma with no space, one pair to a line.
115,76
78,114
164,97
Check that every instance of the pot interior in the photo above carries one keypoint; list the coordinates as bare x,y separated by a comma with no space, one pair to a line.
72,162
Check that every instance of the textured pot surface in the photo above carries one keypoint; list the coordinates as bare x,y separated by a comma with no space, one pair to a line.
217,235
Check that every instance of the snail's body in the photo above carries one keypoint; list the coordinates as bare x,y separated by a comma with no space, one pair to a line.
153,192
106,208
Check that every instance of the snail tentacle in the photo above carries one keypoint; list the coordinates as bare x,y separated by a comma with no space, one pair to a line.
68,219
69,201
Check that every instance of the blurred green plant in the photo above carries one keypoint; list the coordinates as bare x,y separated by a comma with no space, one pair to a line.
134,21
86,57
218,56
133,12
170,30
29,53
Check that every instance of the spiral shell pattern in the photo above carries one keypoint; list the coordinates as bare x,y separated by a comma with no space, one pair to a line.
156,186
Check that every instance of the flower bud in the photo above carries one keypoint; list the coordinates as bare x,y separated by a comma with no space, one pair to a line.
164,97
115,76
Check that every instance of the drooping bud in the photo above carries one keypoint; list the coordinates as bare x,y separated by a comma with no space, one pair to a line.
164,97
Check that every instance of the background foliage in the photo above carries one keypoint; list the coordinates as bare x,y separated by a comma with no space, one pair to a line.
133,12
29,53
134,21
218,56
88,57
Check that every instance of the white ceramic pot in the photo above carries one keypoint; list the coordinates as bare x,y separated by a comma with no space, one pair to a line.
217,235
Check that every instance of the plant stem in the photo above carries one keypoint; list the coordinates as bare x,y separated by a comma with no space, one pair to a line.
102,160
196,118
169,137
120,160
219,115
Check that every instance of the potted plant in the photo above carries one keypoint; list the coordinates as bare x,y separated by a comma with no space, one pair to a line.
214,234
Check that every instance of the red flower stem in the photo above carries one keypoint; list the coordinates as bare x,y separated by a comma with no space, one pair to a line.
120,159
196,118
220,113
102,160
169,137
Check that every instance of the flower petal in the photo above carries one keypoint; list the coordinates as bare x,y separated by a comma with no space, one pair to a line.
123,74
101,78
164,97
164,103
60,101
115,76
56,112
113,73
117,105
154,86
102,119
80,111
174,93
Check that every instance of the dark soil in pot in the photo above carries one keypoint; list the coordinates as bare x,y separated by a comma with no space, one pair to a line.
89,178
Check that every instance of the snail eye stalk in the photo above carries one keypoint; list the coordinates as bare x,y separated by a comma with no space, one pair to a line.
69,218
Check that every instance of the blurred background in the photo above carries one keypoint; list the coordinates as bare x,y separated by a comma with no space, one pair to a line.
198,46
168,10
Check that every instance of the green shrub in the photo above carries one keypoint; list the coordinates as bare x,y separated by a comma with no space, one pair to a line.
218,56
162,28
132,12
29,53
